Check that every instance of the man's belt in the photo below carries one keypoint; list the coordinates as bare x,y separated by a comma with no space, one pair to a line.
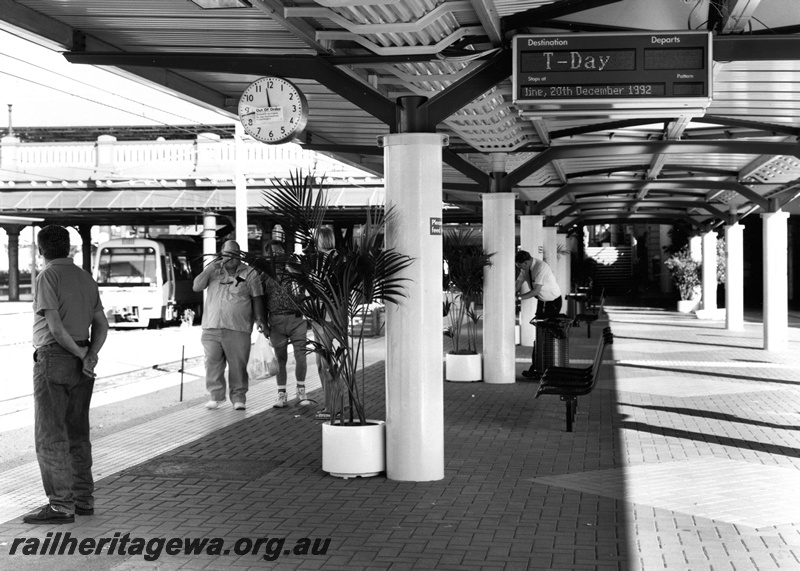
83,343
288,312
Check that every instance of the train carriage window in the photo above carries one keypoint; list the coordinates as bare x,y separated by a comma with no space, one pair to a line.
129,266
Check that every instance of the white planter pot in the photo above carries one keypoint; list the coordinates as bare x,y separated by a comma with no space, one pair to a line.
352,451
687,305
463,368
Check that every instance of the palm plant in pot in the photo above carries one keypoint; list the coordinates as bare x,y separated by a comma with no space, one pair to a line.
466,260
685,273
337,287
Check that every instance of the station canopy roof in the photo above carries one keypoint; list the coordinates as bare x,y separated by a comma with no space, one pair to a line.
358,61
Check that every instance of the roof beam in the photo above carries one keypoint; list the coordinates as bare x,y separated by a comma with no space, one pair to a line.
682,187
490,20
755,48
737,15
535,16
613,218
491,72
787,195
658,162
643,167
36,24
344,149
584,27
606,126
299,66
53,34
717,10
627,203
299,27
589,150
746,192
756,125
467,168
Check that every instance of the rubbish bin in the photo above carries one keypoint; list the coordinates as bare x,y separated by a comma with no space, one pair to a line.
552,342
576,303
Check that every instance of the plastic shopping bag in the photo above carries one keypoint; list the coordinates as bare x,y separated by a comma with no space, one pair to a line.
262,362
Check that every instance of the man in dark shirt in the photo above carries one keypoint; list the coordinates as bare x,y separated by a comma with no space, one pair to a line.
69,328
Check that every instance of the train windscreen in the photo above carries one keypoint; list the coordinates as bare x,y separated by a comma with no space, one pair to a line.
127,266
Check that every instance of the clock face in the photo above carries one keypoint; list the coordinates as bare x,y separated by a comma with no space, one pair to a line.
273,110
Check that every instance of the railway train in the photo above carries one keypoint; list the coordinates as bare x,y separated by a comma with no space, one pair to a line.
147,282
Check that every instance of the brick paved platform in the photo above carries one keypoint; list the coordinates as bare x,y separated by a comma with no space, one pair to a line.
686,456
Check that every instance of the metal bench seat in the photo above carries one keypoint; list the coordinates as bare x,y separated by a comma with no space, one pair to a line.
569,386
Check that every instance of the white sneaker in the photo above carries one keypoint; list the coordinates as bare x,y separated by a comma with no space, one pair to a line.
282,400
238,406
212,404
301,393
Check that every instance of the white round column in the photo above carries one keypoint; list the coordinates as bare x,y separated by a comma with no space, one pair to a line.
414,339
550,249
734,277
665,281
776,287
562,268
531,239
240,187
209,237
709,271
499,352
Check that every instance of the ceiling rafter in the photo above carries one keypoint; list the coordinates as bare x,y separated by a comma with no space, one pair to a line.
696,188
616,218
535,16
299,27
587,150
468,89
299,66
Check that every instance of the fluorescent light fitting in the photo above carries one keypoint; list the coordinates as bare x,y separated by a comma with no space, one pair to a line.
216,4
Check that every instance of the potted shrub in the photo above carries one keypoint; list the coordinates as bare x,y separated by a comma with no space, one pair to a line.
337,287
466,260
685,273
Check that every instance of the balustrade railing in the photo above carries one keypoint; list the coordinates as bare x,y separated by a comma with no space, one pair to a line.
121,160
